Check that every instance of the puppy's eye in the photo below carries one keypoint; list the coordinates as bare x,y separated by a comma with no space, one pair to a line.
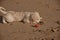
37,19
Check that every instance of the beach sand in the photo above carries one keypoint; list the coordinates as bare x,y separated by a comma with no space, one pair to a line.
49,30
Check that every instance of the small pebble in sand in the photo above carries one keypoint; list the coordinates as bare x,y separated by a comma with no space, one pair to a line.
39,30
52,39
44,39
57,28
58,22
52,30
58,9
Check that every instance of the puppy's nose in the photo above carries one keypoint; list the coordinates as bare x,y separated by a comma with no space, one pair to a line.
41,22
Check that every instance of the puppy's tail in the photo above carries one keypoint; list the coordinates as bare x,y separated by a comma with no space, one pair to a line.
2,9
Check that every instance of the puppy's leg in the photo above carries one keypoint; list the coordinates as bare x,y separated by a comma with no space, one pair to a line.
4,21
26,18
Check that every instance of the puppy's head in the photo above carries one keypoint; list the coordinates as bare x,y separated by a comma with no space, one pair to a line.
37,23
36,18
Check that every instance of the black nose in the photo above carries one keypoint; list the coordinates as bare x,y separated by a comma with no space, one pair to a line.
41,22
1,19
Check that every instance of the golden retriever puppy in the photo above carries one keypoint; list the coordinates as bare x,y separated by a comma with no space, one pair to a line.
27,17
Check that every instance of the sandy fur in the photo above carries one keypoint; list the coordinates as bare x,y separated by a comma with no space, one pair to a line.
27,17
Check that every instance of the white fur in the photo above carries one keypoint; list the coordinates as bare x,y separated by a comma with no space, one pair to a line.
28,17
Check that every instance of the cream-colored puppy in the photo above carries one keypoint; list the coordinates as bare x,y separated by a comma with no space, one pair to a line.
28,17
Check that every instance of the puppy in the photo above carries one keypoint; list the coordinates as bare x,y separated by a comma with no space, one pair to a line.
27,17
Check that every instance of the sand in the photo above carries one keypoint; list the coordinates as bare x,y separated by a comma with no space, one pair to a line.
48,9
